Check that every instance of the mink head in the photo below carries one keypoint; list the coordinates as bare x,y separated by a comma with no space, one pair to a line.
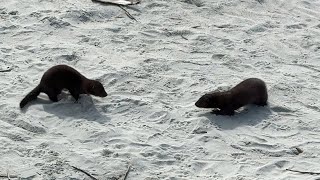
208,101
96,88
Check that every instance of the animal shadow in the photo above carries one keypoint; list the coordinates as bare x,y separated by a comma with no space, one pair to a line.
251,115
84,108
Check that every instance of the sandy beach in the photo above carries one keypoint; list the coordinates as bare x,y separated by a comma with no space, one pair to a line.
154,69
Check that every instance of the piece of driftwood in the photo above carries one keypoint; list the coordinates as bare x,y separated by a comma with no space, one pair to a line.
304,172
184,37
8,176
83,171
119,2
6,70
127,172
127,13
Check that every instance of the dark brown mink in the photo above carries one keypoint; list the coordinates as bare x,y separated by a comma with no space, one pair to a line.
64,77
249,91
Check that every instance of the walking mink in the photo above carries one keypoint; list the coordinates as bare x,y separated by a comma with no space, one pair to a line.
64,77
249,91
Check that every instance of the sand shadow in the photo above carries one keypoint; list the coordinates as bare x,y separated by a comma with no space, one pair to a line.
66,107
249,116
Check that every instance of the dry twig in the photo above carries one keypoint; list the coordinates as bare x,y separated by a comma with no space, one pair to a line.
6,70
126,175
184,37
118,2
83,171
127,13
8,176
304,172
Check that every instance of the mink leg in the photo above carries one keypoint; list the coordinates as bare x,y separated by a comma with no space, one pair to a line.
223,112
53,97
75,94
261,103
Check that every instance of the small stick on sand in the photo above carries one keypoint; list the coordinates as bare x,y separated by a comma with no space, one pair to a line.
119,2
6,70
304,172
184,37
88,174
125,176
127,13
8,176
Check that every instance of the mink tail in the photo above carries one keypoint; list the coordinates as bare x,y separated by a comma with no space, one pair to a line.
30,96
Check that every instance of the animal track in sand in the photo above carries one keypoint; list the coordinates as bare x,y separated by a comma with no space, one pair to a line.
273,166
8,28
198,3
28,127
156,5
265,152
55,22
17,137
296,26
69,57
91,41
81,16
281,109
159,116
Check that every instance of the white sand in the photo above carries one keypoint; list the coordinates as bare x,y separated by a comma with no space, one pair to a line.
154,70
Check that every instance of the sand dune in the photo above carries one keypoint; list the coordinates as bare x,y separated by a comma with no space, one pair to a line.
154,69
